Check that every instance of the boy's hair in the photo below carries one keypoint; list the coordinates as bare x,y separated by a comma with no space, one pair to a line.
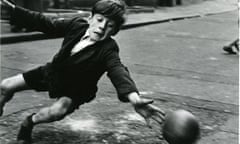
112,9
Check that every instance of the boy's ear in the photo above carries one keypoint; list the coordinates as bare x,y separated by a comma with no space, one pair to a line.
91,15
89,18
115,31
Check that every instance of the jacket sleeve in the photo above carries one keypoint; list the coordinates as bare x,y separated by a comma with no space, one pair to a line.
119,75
36,21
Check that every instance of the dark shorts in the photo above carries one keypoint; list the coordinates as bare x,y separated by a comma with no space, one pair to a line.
37,80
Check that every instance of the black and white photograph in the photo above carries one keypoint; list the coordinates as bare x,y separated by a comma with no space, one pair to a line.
119,71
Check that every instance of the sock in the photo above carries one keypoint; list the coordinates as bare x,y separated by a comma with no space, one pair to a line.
25,132
28,122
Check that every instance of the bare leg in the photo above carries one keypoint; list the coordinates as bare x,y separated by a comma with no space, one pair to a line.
9,86
55,112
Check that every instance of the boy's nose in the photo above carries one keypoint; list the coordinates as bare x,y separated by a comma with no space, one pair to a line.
102,25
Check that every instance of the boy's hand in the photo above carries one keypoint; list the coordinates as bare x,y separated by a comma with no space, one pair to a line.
7,3
145,108
149,111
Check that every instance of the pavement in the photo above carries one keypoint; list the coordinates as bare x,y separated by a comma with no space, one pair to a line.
178,62
162,14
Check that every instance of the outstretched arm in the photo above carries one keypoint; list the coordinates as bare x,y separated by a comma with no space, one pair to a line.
7,4
126,88
36,21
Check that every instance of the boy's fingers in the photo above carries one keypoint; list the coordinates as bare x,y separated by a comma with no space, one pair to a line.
162,117
146,102
157,119
143,103
158,110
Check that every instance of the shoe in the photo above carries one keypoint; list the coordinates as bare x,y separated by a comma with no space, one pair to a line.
229,50
25,133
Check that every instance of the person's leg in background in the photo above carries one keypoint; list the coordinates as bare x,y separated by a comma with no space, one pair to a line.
232,48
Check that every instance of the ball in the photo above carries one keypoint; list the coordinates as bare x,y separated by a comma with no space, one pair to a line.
181,127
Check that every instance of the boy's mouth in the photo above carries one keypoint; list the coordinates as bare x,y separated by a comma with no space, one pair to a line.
99,34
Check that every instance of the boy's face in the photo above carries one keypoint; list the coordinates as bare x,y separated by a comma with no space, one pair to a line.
100,27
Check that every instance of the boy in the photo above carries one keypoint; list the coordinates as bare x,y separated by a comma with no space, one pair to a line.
87,52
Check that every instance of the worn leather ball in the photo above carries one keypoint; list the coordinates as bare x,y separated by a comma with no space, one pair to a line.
181,127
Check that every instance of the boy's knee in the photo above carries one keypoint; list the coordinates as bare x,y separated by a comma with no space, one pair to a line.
57,114
13,84
61,109
7,86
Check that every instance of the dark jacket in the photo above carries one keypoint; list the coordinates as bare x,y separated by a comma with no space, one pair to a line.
77,74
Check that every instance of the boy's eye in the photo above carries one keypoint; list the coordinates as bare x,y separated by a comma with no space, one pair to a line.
110,25
99,19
